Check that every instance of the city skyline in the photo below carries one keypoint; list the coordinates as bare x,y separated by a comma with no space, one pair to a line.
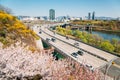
78,8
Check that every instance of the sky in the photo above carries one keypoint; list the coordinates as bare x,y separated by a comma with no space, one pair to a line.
78,8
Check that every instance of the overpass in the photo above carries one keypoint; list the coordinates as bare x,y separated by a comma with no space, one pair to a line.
92,56
78,27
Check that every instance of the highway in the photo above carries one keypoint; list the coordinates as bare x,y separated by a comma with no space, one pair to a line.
67,47
68,50
91,49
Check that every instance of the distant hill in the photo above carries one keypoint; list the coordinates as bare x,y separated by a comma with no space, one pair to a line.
12,31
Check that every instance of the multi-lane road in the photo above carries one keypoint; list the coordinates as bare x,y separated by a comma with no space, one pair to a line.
67,47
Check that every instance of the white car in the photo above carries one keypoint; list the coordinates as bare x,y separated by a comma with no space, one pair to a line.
90,67
47,39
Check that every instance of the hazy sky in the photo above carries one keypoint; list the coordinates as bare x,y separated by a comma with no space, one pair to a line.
109,8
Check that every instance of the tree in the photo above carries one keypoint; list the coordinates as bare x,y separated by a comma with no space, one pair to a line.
69,32
77,33
96,39
5,9
84,40
117,49
41,65
114,42
106,45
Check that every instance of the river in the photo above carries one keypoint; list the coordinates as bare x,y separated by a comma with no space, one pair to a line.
107,35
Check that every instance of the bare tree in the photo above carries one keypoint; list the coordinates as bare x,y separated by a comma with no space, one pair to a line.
5,9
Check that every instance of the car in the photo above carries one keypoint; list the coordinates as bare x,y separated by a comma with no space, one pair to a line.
74,55
67,37
76,44
47,39
80,52
90,67
40,32
53,39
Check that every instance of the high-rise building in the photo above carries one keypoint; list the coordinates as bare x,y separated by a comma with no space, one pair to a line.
52,14
89,16
93,16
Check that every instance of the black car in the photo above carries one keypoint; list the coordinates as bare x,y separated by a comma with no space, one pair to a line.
80,52
53,39
67,37
40,32
74,55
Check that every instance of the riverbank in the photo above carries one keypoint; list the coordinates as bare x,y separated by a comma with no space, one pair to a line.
106,35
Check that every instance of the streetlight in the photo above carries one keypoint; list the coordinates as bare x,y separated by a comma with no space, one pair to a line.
109,65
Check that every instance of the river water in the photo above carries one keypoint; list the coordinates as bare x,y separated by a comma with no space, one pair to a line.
107,35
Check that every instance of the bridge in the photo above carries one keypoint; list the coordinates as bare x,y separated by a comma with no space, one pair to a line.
95,57
78,27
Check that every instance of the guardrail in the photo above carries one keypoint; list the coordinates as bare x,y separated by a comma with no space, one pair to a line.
77,47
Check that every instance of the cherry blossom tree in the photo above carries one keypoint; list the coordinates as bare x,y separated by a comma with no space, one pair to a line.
16,61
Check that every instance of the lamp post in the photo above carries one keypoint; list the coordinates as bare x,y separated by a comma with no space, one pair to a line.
109,65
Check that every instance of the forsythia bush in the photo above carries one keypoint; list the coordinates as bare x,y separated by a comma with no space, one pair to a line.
13,27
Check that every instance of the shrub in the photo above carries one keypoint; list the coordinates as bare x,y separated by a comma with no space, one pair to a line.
12,26
4,41
3,34
106,45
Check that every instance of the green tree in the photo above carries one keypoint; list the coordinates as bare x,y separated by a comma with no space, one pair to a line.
106,45
114,42
117,49
68,32
84,40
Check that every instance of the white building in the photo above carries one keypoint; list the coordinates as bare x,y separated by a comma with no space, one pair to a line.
84,18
